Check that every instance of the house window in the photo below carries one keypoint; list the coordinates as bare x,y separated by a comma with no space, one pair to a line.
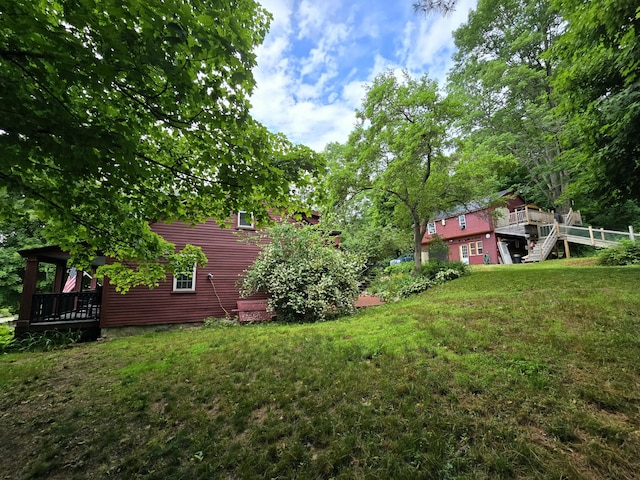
185,281
431,228
462,220
472,248
245,220
443,221
479,247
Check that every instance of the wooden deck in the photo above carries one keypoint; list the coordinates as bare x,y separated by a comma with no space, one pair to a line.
62,311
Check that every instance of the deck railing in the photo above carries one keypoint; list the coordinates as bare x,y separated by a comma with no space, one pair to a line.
74,306
526,216
595,236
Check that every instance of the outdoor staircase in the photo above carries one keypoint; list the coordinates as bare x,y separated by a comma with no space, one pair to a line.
543,248
573,234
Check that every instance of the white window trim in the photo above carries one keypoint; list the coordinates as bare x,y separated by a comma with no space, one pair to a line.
245,225
431,228
462,221
480,247
193,281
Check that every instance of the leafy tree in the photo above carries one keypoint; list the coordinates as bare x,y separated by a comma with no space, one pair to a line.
600,87
503,70
19,229
435,6
398,150
306,277
365,223
119,113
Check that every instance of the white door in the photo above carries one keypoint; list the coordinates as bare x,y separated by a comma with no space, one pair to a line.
464,253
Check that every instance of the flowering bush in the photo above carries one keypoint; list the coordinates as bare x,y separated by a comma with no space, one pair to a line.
305,276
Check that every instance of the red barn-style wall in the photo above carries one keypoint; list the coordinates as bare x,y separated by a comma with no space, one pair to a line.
227,257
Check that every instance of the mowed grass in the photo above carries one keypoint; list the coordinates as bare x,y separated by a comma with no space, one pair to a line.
524,371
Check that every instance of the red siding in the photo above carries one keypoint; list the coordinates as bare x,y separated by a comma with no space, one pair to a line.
479,224
228,258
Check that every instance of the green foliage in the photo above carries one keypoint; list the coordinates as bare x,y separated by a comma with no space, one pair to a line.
396,156
20,228
504,77
305,276
224,322
438,248
125,276
398,281
6,337
120,113
627,253
600,86
38,342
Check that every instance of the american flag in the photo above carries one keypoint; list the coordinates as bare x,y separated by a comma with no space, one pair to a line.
70,284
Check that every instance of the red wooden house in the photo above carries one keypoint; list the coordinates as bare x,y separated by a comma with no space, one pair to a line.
211,291
478,233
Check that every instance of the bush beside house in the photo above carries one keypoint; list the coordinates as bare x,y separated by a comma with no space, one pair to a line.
306,277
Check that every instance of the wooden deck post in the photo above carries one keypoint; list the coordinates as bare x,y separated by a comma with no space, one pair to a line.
631,235
567,253
593,241
28,289
57,282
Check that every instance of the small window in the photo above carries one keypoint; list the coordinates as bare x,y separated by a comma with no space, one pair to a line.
479,247
245,220
185,281
462,220
431,228
472,248
443,221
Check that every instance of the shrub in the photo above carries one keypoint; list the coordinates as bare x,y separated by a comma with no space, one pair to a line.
398,281
305,276
627,253
417,285
39,342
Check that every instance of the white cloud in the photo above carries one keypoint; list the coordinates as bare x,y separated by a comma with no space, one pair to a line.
428,41
319,56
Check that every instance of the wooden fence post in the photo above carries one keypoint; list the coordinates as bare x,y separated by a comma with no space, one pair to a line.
631,235
593,242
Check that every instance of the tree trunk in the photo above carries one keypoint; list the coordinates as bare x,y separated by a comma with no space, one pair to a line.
417,249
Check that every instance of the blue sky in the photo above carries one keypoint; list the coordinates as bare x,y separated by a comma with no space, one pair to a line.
319,56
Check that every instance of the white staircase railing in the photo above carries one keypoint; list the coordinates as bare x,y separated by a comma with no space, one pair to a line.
542,250
549,242
597,237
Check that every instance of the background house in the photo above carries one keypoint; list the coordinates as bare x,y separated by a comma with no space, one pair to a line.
469,231
478,233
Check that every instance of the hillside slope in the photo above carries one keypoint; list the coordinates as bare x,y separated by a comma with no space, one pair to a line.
523,371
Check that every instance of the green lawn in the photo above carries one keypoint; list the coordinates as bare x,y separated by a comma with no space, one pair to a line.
523,371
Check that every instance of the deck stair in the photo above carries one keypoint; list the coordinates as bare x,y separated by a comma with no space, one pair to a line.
544,247
600,238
